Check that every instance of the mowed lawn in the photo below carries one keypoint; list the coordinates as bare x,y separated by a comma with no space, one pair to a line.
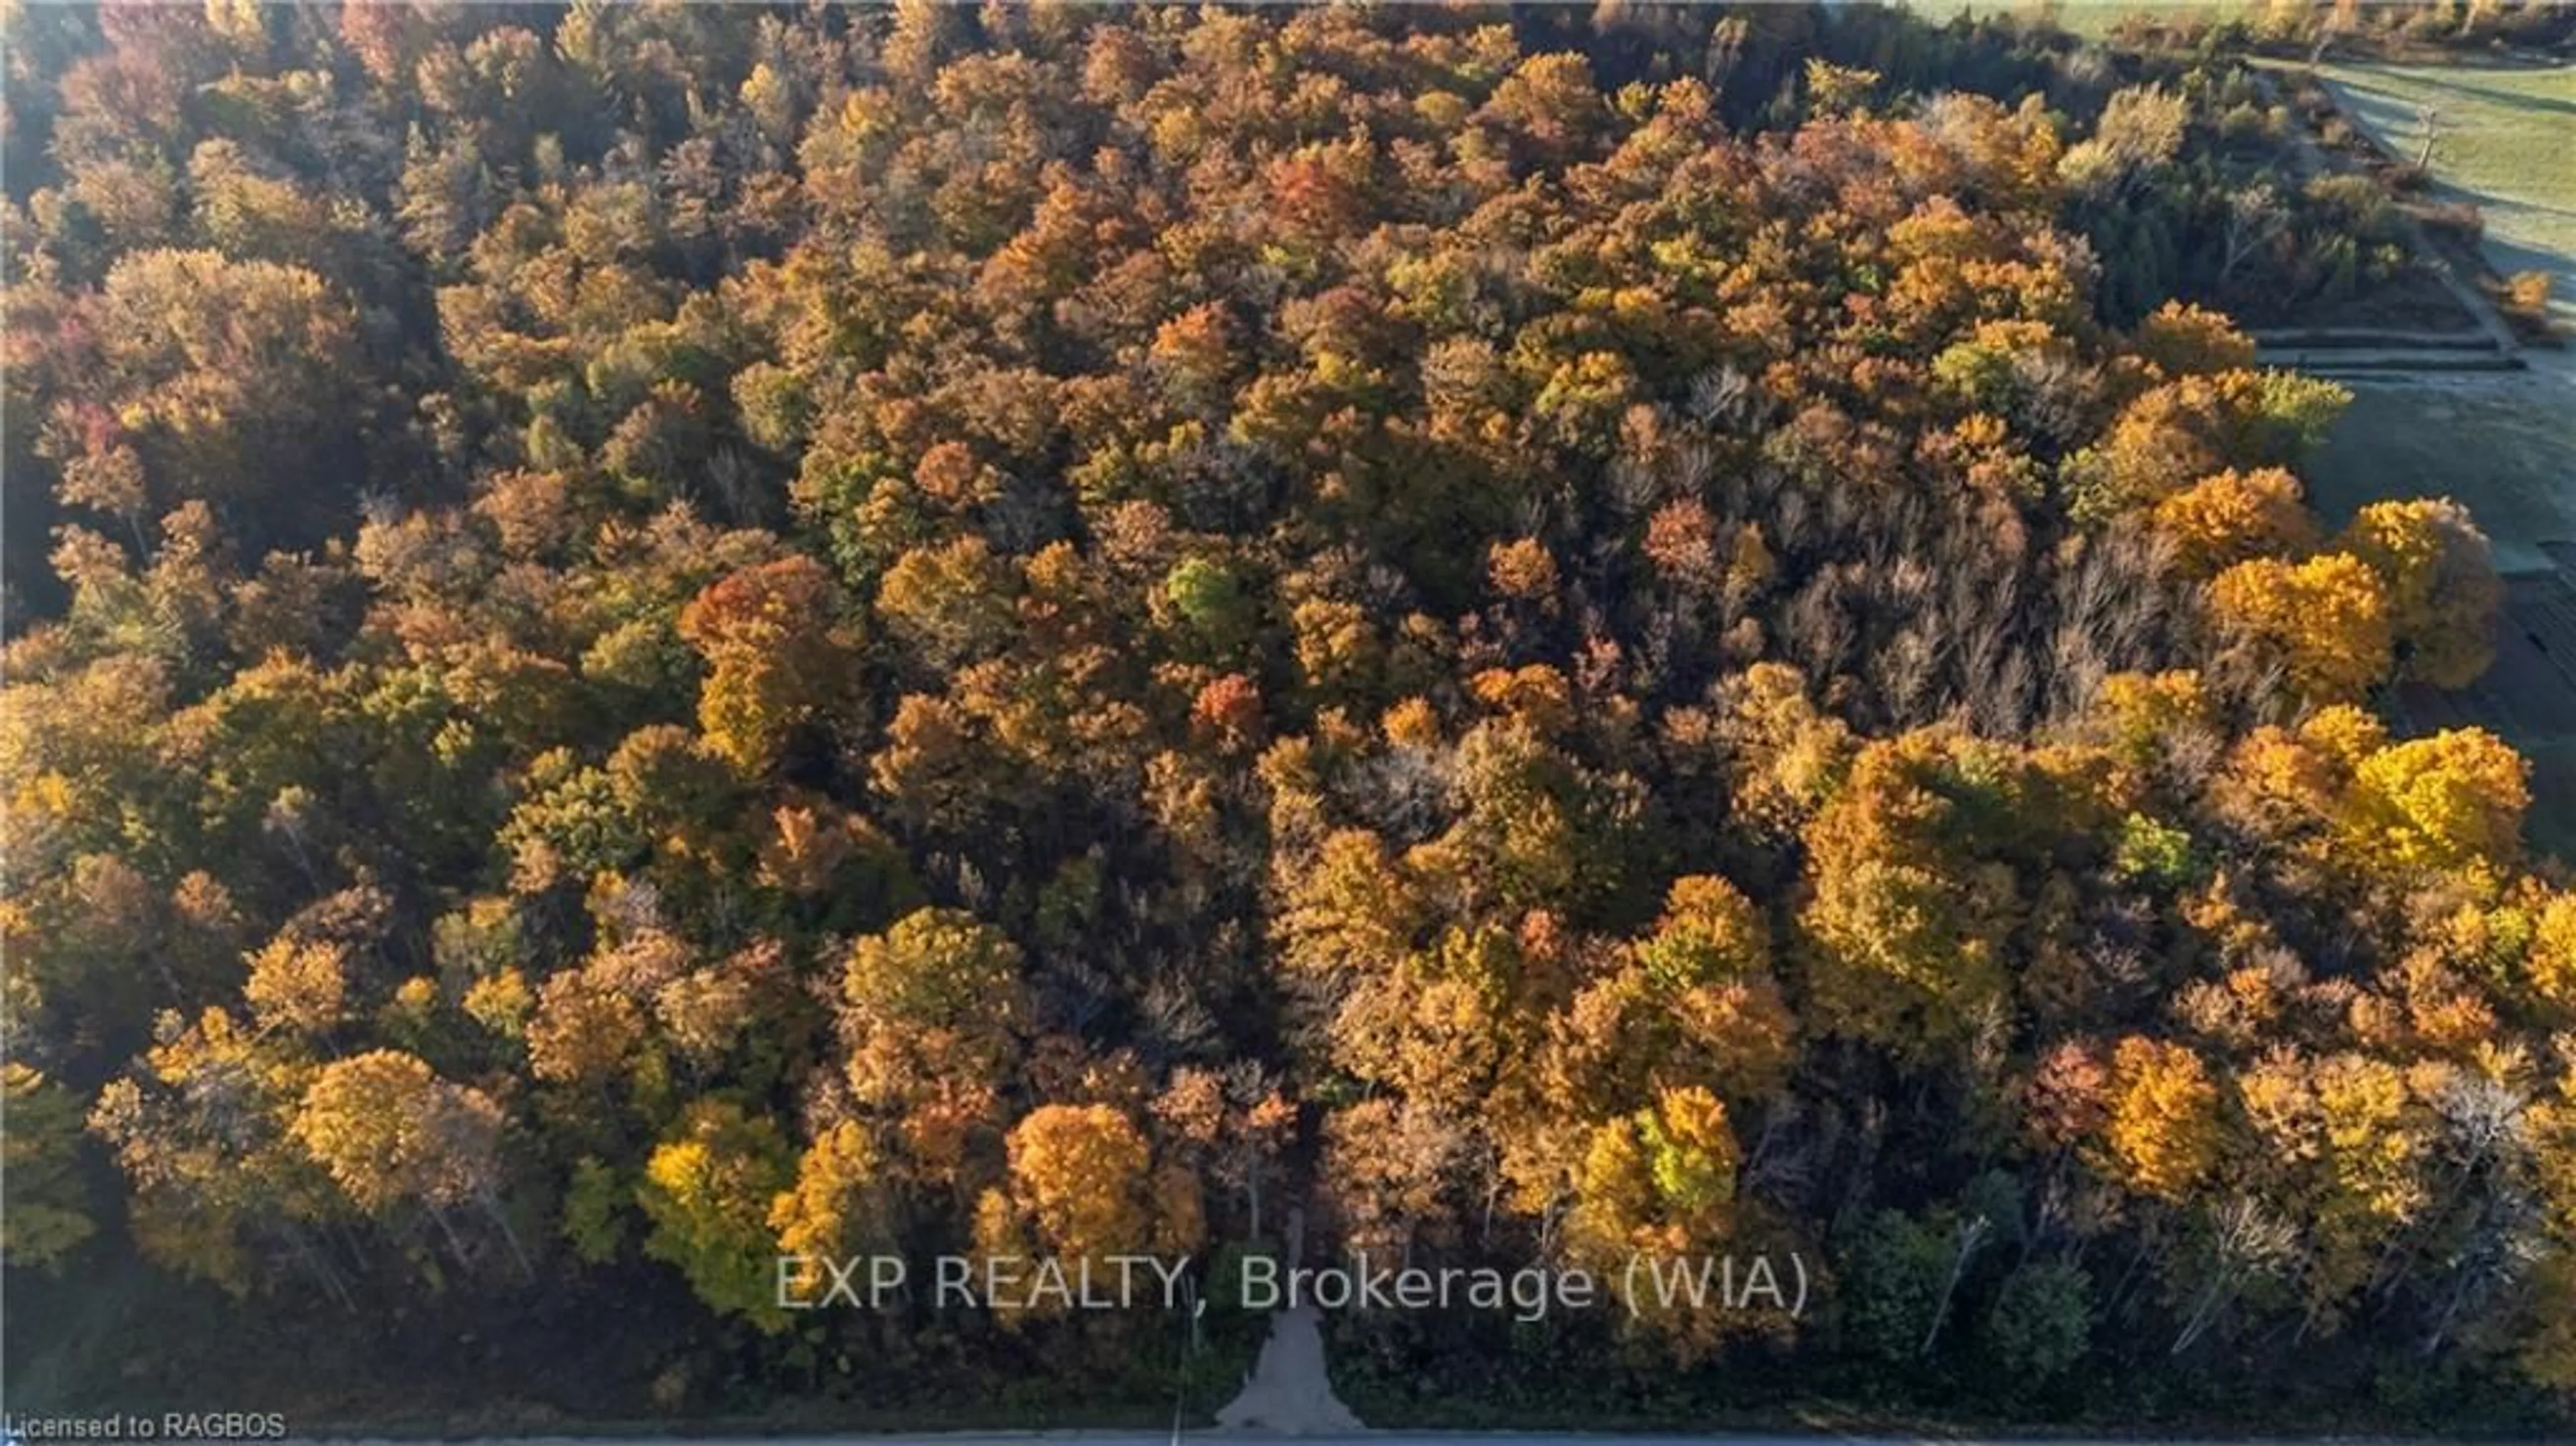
2504,137
2090,18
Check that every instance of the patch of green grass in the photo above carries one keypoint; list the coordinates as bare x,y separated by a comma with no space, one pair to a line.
2500,140
2092,19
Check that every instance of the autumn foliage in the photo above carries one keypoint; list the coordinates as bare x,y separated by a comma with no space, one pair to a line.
646,637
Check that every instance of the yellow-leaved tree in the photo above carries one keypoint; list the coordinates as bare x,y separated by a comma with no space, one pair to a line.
1083,1187
780,657
708,1191
2163,1130
2444,802
2231,517
2325,620
397,1138
2443,593
841,1204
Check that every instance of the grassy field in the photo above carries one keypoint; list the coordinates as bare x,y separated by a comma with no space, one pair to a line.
2091,18
2500,140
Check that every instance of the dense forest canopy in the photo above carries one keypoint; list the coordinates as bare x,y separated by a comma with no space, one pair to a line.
645,637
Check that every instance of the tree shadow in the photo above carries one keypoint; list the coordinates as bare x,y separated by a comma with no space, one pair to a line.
2510,100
